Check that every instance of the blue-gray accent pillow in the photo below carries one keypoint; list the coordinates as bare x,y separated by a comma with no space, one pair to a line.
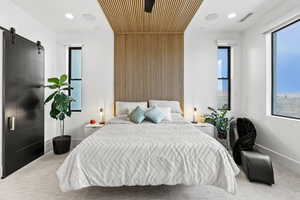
137,115
155,115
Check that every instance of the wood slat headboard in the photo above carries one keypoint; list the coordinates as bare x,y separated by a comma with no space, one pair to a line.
149,66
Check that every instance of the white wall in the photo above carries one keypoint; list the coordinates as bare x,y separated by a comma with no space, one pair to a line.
277,136
97,75
98,86
12,16
200,69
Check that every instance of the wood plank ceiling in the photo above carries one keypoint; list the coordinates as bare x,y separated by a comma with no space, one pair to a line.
128,16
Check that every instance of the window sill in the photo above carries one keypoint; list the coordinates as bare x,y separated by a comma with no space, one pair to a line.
283,118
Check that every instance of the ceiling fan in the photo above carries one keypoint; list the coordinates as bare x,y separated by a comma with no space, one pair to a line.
149,4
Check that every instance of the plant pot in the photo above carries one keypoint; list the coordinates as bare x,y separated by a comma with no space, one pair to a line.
222,135
61,144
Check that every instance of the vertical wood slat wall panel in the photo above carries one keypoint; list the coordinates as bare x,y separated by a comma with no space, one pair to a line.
149,66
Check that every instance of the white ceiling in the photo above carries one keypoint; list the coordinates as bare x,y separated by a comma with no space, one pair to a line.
225,7
51,13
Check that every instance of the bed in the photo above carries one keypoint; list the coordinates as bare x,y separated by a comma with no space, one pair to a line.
127,154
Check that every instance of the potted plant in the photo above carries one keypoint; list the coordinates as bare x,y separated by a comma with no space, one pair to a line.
60,109
219,119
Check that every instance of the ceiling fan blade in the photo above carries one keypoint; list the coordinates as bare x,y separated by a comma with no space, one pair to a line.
149,5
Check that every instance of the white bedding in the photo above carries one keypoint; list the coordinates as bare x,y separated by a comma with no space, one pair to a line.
170,153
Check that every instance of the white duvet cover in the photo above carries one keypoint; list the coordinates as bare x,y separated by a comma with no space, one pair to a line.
126,154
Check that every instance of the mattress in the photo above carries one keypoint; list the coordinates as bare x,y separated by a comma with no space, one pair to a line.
169,153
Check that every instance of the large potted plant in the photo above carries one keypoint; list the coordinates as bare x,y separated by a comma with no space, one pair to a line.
219,119
60,109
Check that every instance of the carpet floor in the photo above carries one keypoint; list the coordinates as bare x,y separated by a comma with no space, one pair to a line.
37,181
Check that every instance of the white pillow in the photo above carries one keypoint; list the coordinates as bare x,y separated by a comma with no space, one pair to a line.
167,113
174,105
123,108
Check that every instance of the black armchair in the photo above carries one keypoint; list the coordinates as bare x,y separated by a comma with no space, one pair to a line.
242,136
257,166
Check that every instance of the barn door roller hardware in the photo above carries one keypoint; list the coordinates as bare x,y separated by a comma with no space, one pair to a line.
39,46
13,35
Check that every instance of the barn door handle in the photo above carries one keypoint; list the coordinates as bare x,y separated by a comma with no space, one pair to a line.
11,123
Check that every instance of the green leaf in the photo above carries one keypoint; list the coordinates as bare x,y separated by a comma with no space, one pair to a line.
63,78
65,84
69,113
53,86
61,116
50,97
54,112
53,80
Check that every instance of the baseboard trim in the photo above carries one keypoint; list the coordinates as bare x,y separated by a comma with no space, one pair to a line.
48,146
284,160
75,142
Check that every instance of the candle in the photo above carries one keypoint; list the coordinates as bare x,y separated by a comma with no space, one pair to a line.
101,116
195,115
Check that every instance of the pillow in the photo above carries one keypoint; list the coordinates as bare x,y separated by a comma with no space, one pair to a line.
137,115
174,105
177,116
167,113
122,108
154,115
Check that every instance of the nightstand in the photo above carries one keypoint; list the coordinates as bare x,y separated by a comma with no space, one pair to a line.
206,128
94,125
89,129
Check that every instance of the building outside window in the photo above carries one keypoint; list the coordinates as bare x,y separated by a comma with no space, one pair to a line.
75,77
224,65
286,71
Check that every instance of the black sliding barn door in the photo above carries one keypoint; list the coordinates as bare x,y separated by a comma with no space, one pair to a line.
23,109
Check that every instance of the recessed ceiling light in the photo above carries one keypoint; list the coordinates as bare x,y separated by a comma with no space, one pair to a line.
231,15
69,16
212,17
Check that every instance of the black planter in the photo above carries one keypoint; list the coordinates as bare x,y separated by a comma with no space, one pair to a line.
222,135
61,144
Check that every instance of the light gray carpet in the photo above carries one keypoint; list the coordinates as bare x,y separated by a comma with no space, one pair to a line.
37,181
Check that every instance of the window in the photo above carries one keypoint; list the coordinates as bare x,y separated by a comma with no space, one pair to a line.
286,71
75,62
223,94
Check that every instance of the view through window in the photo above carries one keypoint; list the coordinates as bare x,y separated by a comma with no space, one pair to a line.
286,71
75,62
223,94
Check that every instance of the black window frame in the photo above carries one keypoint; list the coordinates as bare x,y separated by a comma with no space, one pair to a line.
228,78
273,69
70,74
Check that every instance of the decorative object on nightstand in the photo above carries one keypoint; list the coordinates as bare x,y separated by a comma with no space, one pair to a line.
201,119
101,120
60,109
96,125
219,119
195,116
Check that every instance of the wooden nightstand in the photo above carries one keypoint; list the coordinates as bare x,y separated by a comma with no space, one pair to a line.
206,128
89,129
